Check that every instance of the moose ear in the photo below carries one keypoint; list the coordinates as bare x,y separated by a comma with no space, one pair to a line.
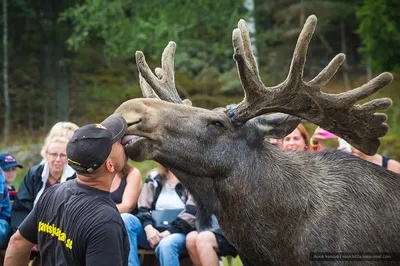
276,125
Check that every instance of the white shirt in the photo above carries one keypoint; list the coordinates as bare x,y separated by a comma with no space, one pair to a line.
169,199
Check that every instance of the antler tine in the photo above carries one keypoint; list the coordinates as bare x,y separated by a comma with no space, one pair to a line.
248,73
248,50
147,91
357,124
163,83
300,52
368,89
328,72
376,104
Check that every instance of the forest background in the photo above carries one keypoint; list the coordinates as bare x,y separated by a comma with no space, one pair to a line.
73,60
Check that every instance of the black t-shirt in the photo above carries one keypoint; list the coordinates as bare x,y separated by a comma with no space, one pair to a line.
76,224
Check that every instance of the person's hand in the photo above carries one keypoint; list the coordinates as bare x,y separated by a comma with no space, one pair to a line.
153,236
35,248
165,234
317,136
321,134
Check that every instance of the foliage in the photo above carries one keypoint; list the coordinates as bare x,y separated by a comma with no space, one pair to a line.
197,26
380,32
104,35
280,22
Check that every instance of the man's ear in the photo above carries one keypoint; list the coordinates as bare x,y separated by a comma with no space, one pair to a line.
110,166
276,125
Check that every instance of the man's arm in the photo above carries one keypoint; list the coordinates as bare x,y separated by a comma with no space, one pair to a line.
21,243
18,251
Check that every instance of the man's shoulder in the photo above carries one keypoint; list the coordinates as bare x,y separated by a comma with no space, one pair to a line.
102,217
107,211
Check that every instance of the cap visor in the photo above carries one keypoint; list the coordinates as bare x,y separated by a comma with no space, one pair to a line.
116,125
10,165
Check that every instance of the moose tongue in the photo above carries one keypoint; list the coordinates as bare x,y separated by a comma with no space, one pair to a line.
125,139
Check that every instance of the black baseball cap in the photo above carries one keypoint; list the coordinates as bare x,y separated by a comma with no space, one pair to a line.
91,145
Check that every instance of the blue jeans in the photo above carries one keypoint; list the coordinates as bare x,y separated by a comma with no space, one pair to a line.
167,251
4,232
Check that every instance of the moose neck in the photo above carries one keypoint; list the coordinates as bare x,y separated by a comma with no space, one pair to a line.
279,180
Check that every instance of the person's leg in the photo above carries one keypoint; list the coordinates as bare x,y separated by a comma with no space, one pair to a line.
135,232
224,247
169,249
192,248
4,232
207,248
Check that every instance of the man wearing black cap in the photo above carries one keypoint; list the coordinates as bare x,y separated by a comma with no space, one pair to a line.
76,222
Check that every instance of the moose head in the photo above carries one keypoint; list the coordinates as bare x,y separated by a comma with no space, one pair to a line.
275,206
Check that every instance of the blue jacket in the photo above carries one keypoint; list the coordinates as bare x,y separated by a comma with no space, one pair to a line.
5,206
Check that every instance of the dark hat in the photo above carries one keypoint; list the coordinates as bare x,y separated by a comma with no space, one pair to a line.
7,161
90,145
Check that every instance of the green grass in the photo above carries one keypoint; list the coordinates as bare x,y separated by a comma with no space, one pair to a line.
236,261
144,167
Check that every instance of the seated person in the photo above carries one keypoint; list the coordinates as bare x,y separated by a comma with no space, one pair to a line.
39,178
10,166
378,159
297,140
5,211
204,246
59,129
125,189
161,191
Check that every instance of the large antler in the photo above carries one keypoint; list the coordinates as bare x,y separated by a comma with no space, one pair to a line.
161,85
358,124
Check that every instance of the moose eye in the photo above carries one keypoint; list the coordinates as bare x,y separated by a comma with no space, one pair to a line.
216,123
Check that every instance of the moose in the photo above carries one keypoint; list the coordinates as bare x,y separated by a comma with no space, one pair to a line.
276,207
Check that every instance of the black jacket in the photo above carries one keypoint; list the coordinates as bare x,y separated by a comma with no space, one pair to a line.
27,193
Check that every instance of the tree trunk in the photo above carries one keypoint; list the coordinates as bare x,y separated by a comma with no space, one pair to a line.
62,91
345,67
46,76
29,106
7,106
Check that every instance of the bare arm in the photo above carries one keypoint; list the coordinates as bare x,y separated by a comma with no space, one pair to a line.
394,166
18,251
132,190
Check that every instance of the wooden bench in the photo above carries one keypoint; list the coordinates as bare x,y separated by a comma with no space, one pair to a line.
148,258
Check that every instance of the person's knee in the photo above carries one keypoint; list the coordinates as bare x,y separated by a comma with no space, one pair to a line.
206,239
164,245
132,223
171,243
191,239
